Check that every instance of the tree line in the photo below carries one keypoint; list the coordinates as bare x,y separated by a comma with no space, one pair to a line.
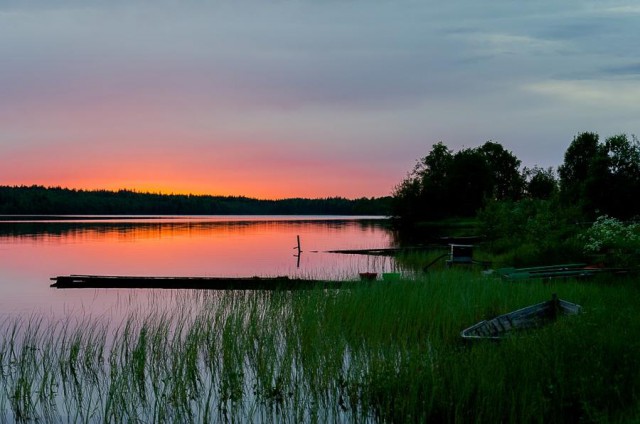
40,200
596,178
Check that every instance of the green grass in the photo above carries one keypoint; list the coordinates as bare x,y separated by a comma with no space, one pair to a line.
387,352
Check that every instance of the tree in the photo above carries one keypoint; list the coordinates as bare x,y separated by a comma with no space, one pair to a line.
422,194
614,188
469,182
505,169
602,178
406,200
578,160
434,174
540,183
434,167
444,184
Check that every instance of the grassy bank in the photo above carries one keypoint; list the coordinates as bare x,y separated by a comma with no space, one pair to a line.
384,353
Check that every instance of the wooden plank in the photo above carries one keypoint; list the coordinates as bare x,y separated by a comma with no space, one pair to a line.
505,323
569,308
209,283
550,267
485,330
385,251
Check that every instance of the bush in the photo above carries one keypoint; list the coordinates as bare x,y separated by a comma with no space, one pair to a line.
616,243
531,232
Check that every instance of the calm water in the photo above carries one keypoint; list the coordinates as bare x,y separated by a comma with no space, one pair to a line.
31,252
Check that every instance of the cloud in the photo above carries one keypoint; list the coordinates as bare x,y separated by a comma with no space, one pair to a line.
324,82
619,94
511,44
626,9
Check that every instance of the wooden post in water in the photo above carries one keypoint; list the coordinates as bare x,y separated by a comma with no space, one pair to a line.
299,252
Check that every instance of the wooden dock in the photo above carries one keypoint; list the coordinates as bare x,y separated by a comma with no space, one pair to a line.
387,251
198,283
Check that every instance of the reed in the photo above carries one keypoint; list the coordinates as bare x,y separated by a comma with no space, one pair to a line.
380,352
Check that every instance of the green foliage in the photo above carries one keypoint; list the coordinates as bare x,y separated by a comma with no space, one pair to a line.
610,233
406,204
543,228
595,178
531,232
424,193
540,183
576,166
507,181
469,182
444,184
618,243
602,177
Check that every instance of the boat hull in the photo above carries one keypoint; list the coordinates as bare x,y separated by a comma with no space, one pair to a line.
533,316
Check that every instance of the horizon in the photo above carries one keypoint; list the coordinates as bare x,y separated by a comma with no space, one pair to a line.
301,99
137,191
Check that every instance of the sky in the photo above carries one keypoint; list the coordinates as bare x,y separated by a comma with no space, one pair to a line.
301,98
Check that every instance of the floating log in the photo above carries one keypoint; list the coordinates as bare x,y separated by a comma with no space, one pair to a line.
206,283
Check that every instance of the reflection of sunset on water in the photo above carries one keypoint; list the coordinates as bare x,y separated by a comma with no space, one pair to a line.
33,252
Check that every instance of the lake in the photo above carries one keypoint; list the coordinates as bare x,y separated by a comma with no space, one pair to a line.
34,250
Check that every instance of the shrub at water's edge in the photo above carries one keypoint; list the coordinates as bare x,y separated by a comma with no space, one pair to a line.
534,232
531,232
613,241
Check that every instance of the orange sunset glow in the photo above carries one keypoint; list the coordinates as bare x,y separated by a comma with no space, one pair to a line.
259,174
291,99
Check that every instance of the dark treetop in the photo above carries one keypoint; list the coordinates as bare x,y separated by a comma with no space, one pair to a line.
39,200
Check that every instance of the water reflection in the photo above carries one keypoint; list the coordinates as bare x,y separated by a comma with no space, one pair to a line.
143,227
33,251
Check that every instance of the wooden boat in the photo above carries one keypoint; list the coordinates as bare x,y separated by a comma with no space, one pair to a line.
546,272
559,271
526,318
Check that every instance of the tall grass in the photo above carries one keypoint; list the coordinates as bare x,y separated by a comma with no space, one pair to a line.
383,352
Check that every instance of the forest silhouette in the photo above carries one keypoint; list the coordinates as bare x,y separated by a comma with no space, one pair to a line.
40,200
596,178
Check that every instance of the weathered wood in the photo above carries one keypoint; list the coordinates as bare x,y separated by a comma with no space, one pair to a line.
209,283
559,271
390,251
546,272
522,319
461,239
